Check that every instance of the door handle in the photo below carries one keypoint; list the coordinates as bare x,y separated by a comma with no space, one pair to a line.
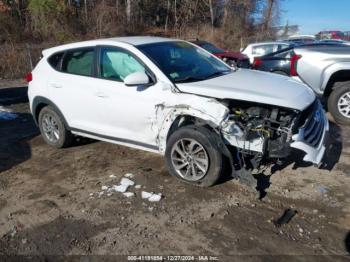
55,85
101,95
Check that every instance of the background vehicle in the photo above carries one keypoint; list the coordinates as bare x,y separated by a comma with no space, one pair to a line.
231,58
278,62
331,35
326,69
284,62
301,39
260,49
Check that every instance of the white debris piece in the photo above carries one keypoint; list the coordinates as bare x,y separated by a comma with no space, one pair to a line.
146,195
129,175
138,186
109,194
6,114
127,182
91,194
129,194
100,194
112,176
155,197
104,187
121,188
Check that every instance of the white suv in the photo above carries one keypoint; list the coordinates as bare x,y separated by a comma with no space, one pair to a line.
174,98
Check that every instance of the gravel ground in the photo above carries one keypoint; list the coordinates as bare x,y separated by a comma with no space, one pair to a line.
55,202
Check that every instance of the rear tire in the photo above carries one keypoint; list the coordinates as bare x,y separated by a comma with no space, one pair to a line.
339,103
53,130
203,168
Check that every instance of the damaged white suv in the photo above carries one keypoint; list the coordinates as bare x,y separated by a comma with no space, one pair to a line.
174,98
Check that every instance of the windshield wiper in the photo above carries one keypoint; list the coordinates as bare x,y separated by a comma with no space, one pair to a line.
219,73
188,79
193,78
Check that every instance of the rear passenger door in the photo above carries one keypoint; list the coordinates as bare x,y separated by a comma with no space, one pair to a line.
72,90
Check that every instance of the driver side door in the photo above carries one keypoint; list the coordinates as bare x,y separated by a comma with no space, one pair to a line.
127,114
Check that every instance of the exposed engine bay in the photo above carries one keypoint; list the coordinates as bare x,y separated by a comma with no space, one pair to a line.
259,131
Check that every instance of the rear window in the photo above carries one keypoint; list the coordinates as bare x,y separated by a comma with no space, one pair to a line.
55,60
79,62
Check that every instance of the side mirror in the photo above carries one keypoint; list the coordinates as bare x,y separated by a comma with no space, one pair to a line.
137,79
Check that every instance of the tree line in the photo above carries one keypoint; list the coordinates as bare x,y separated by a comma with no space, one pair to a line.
67,20
28,26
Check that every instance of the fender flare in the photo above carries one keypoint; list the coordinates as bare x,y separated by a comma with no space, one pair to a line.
40,102
329,71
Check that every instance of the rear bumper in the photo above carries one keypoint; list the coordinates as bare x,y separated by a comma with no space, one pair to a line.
314,154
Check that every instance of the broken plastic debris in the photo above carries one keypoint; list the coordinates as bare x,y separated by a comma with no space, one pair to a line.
155,198
91,194
151,196
104,187
146,195
121,188
129,194
138,186
112,176
322,189
127,182
129,175
286,217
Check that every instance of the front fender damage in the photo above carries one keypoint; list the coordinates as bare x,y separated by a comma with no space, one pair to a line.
207,109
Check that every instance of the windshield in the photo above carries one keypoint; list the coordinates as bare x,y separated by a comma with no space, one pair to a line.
212,48
183,62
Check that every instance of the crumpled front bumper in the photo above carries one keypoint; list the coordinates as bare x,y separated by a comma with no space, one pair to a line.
314,153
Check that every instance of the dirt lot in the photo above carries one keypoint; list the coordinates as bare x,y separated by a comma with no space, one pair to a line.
50,203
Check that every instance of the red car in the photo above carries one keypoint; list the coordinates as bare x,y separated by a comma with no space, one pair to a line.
231,58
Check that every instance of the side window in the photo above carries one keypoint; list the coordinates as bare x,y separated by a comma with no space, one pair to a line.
280,47
286,54
79,62
55,60
117,64
263,49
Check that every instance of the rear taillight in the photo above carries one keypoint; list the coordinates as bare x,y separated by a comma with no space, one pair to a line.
257,62
293,65
29,77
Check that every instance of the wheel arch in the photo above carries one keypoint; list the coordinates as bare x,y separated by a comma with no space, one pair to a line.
186,120
338,76
39,103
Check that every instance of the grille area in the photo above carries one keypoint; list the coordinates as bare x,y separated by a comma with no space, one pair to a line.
314,125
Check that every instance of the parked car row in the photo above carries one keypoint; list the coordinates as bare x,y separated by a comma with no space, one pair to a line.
174,98
323,67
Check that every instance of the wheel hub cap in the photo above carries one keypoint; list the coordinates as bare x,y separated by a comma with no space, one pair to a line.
50,128
344,104
190,159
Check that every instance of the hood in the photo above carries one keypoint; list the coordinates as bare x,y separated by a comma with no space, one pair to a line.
254,86
234,55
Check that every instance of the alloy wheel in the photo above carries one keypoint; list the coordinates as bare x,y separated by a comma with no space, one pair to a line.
344,105
189,159
50,128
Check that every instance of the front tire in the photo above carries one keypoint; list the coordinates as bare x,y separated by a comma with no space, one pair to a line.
339,103
193,155
53,130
